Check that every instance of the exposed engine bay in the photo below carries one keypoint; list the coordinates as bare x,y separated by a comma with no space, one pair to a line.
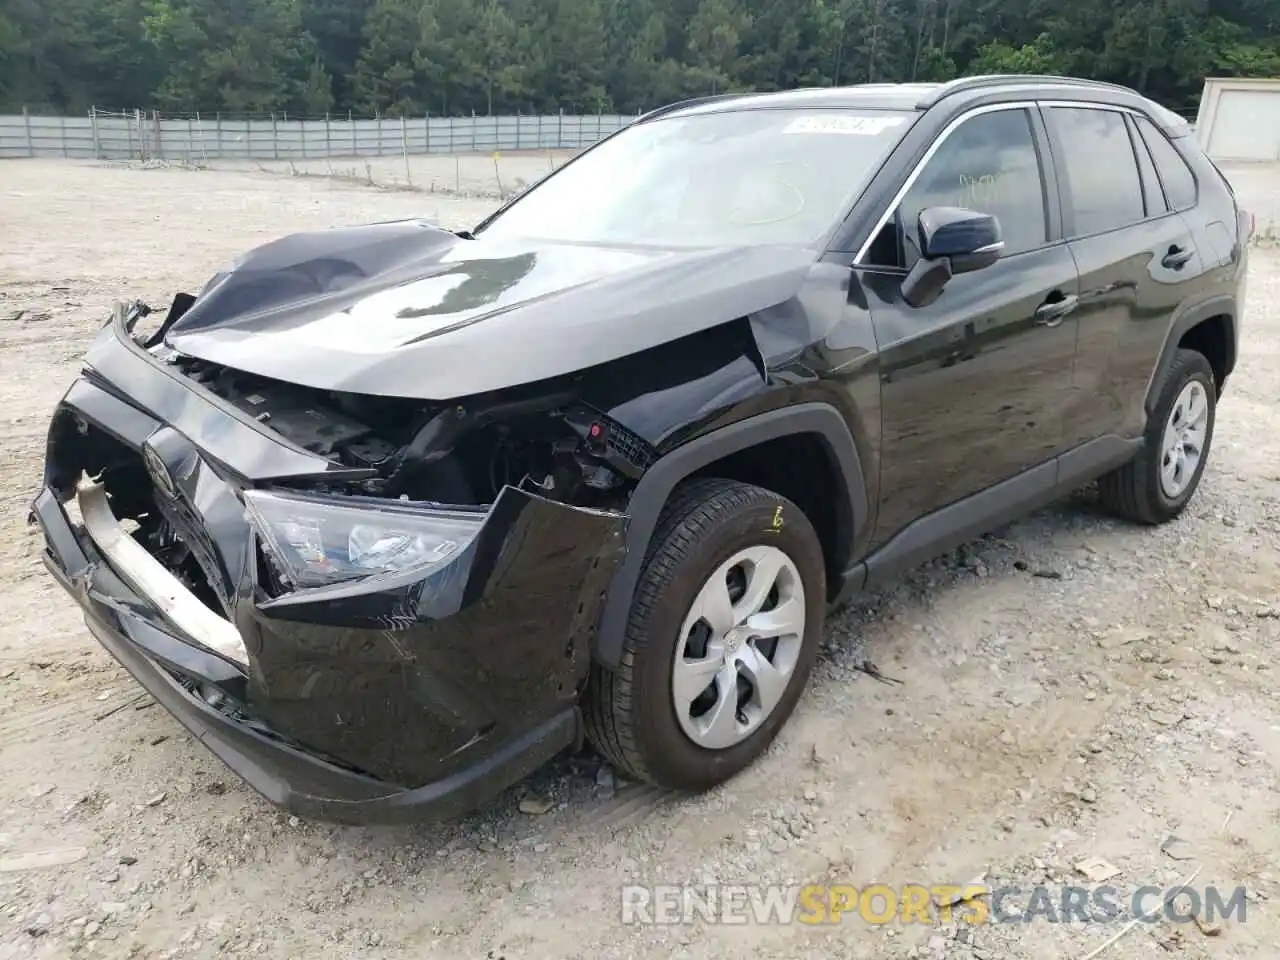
462,453
409,480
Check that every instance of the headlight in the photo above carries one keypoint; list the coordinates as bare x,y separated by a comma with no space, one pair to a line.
317,541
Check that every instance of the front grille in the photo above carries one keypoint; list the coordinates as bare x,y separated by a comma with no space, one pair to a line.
169,527
187,527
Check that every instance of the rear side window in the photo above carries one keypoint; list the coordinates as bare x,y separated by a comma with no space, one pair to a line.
1151,192
1179,182
1100,169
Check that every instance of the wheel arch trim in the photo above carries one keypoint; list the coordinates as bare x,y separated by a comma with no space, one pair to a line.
658,482
1220,306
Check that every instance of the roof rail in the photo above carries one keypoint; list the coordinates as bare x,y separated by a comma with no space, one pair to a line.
964,84
691,102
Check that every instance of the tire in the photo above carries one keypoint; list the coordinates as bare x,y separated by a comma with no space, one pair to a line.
1136,491
631,712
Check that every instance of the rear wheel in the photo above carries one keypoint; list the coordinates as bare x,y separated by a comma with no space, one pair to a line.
1159,482
722,635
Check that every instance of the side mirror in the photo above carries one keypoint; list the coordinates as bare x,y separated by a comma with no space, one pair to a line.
970,240
952,240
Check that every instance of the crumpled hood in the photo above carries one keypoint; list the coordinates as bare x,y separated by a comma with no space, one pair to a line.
409,310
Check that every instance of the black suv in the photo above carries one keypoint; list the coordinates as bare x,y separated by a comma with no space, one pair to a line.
389,516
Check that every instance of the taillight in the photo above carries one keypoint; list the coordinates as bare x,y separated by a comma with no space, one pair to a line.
1248,222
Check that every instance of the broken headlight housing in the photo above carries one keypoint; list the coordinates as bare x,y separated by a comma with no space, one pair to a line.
315,541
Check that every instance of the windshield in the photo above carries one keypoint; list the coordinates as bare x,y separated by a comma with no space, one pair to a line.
717,179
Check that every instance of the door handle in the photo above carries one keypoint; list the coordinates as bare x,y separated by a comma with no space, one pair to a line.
1177,258
1052,312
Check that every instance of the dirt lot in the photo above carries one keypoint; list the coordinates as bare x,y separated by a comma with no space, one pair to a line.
1073,688
461,175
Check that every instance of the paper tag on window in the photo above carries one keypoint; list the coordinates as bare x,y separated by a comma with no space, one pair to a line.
841,123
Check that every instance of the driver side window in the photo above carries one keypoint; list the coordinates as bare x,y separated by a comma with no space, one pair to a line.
989,164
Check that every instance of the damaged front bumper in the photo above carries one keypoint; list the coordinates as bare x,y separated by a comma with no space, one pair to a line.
366,701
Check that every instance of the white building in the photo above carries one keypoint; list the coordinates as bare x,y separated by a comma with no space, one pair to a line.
1239,119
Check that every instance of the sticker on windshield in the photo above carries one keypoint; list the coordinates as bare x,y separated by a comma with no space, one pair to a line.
856,126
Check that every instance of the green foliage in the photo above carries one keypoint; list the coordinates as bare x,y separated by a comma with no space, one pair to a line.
317,94
411,57
338,29
1036,57
576,69
242,56
715,41
392,68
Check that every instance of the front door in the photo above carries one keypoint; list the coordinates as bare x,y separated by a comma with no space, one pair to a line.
973,386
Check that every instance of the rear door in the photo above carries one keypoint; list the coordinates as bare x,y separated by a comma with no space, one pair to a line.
1137,259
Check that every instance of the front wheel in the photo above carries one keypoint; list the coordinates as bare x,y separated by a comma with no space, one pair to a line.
724,628
1159,482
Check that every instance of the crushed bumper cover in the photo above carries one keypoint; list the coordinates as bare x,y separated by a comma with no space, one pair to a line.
361,703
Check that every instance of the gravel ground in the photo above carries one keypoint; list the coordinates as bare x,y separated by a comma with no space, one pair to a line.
1073,688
